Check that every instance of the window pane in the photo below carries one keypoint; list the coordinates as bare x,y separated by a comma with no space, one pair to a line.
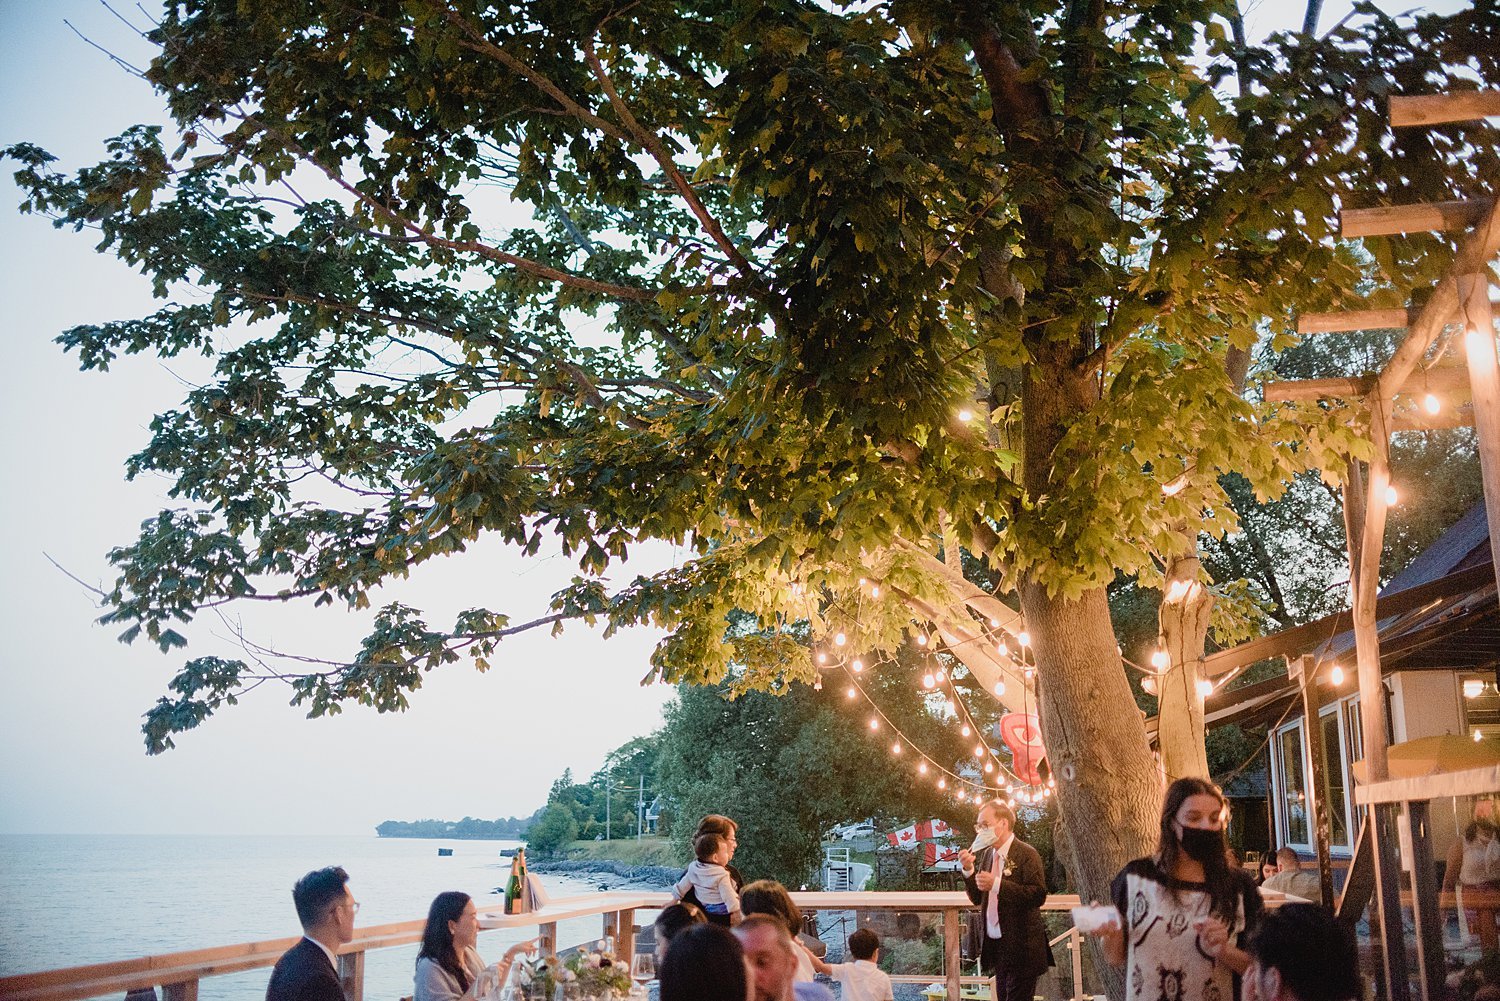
1334,792
1293,786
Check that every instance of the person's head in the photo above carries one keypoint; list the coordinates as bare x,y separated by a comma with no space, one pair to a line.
768,897
671,921
1287,860
452,926
769,949
705,963
1301,953
711,848
1479,829
1193,813
715,823
1268,869
864,944
998,816
325,907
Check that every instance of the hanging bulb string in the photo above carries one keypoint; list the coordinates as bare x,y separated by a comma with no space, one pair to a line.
929,759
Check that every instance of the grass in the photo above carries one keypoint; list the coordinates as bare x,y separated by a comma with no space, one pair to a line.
647,851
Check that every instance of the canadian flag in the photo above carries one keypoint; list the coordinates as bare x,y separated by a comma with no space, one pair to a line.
929,829
940,856
904,838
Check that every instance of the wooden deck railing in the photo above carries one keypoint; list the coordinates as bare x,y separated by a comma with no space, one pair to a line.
177,974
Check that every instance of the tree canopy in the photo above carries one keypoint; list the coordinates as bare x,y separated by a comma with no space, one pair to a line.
826,293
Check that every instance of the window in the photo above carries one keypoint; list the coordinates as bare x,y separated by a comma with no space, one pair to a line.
1293,798
1481,702
1335,787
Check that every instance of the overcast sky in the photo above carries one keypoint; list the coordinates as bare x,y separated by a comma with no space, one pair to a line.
71,757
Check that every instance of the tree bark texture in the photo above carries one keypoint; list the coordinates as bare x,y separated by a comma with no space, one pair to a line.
1183,620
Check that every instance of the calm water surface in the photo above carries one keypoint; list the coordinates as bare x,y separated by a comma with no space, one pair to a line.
66,900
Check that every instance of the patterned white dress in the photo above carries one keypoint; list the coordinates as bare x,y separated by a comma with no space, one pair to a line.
1164,960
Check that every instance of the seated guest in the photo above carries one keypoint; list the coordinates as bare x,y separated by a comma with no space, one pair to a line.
308,971
1301,953
448,966
704,963
767,896
1292,879
670,922
773,961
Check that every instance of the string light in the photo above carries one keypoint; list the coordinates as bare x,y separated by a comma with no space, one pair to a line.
839,639
852,692
822,657
1336,675
1160,660
966,731
966,415
896,747
994,623
979,750
922,768
1205,687
874,723
1391,496
858,665
1004,650
928,681
1431,404
943,783
921,639
1023,638
1000,687
875,590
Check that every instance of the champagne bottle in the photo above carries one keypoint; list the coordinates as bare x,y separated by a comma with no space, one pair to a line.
513,886
523,890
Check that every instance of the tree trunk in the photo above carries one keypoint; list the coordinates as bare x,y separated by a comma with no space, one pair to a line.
1183,622
1108,786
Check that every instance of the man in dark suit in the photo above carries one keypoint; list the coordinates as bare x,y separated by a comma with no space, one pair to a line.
308,970
1004,879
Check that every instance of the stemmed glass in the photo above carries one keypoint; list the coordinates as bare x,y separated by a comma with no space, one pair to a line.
642,970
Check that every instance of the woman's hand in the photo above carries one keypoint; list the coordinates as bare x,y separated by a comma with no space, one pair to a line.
1213,936
528,947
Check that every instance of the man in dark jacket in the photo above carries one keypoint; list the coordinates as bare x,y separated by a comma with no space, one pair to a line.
308,971
1005,880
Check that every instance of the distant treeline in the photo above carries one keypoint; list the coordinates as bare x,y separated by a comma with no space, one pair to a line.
508,828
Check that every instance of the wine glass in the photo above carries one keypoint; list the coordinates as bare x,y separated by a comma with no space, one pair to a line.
642,969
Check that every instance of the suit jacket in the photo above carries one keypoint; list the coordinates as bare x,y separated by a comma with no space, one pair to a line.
303,973
1022,947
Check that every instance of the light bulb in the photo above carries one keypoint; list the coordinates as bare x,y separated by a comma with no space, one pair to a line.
966,415
1391,496
978,750
928,681
896,748
1004,650
851,693
1477,737
874,723
941,674
994,623
943,783
839,639
921,639
1160,660
861,582
922,768
822,657
966,731
1029,672
1000,688
1024,638
1148,685
1431,404
952,711
1336,675
989,766
1205,687
1473,688
875,590
858,665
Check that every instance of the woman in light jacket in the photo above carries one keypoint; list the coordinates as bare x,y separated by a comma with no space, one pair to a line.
448,967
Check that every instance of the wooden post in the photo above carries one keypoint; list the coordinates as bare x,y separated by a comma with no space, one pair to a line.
352,974
1424,902
1316,789
1364,524
546,939
620,925
1484,383
952,953
1388,899
185,991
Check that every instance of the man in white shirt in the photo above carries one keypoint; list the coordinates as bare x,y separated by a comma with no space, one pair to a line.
1004,878
862,980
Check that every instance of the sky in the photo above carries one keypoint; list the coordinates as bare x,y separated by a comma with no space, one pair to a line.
71,754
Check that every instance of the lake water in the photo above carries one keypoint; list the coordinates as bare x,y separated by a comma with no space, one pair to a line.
67,900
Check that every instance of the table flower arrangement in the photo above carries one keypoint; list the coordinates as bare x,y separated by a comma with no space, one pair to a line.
580,975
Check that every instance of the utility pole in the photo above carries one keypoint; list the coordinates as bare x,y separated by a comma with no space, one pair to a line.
609,788
640,807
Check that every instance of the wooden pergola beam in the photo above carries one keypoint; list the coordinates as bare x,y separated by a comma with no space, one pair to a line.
1435,109
1423,217
1442,379
1360,319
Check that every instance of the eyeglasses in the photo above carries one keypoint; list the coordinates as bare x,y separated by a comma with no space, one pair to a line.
353,906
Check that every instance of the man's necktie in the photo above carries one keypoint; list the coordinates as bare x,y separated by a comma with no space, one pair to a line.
992,908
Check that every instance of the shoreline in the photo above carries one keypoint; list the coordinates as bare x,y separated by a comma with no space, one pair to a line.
608,874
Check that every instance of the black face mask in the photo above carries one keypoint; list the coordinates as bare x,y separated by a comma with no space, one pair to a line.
1204,847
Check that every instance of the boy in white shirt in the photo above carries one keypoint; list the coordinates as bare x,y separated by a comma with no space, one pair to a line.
710,881
860,980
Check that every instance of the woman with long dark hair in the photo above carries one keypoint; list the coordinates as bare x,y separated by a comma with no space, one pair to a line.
448,965
1184,912
705,963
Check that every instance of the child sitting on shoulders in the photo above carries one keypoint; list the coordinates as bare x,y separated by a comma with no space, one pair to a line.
861,980
710,881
